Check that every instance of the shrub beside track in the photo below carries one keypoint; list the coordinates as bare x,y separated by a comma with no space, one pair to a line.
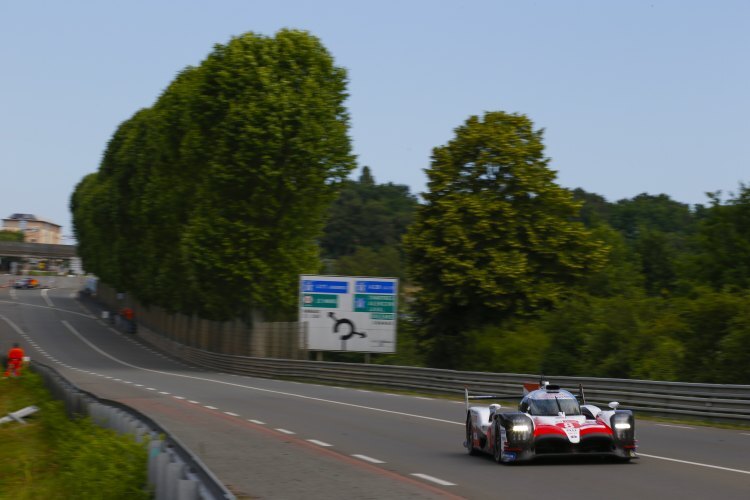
55,457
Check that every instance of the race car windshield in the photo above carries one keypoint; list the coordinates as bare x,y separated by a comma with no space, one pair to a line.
551,407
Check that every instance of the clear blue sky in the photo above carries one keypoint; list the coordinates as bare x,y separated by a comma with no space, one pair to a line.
634,96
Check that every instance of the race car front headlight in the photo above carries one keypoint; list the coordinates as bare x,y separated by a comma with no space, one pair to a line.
519,429
623,426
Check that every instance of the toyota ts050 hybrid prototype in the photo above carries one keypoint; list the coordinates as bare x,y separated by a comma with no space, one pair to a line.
549,422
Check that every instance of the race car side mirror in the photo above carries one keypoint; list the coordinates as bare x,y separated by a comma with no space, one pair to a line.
614,405
493,410
588,412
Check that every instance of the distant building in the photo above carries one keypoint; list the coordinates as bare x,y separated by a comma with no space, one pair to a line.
35,230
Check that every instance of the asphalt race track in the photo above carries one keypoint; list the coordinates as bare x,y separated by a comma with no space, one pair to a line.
284,440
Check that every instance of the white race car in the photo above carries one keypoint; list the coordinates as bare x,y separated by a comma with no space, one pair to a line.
549,422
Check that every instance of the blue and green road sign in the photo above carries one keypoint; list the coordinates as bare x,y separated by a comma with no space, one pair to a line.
344,313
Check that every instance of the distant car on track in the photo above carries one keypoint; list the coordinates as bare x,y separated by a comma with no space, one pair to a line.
549,422
28,283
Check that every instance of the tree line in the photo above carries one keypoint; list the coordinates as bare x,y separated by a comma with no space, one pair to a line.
507,271
213,201
210,201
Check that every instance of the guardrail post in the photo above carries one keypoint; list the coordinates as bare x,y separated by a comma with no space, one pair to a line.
187,489
162,462
155,449
140,433
175,472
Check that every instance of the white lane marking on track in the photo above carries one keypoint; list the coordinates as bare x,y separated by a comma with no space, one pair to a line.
260,389
256,421
178,397
745,433
89,316
676,426
194,402
368,459
695,463
319,443
210,407
286,431
164,392
433,479
46,298
150,389
231,414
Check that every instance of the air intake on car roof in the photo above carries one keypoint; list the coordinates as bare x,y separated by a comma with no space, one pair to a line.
552,388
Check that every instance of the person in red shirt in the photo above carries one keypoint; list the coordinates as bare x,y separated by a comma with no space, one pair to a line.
15,361
127,313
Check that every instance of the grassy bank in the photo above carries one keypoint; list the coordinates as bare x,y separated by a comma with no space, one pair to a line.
57,458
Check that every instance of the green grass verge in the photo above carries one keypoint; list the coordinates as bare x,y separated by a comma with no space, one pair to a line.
57,458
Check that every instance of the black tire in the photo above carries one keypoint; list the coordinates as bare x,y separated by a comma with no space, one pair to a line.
469,441
497,449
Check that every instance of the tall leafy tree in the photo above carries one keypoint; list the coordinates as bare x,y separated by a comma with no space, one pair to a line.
212,200
367,214
496,237
272,116
651,212
657,230
11,235
92,207
595,209
724,241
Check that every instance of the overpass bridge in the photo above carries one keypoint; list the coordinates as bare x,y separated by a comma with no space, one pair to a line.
36,250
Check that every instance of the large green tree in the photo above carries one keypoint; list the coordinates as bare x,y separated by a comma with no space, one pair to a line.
367,214
496,237
365,224
658,231
212,200
11,235
276,160
651,212
724,241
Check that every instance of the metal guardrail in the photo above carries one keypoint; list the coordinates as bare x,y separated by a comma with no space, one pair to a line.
712,402
173,471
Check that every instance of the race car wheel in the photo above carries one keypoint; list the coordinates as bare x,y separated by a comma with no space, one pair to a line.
497,449
469,437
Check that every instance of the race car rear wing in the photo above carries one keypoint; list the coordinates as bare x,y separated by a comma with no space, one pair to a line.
483,396
526,387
